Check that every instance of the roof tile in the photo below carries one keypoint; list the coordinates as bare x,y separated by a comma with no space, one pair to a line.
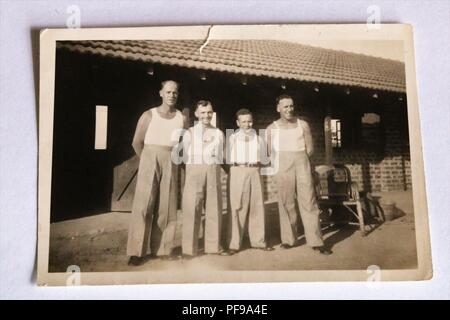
277,59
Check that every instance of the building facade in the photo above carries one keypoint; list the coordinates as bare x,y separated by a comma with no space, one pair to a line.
355,105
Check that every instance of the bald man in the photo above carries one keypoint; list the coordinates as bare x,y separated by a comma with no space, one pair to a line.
154,212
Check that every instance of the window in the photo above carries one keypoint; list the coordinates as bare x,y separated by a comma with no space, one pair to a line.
371,135
357,131
336,135
101,127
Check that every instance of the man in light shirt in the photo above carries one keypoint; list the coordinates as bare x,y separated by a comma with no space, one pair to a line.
246,193
291,145
203,146
153,218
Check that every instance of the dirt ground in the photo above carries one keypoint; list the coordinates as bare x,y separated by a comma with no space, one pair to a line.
98,244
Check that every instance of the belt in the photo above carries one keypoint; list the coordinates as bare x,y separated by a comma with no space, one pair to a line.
160,147
246,165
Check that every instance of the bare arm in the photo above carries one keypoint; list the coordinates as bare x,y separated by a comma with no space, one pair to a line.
268,139
185,141
139,134
269,161
308,138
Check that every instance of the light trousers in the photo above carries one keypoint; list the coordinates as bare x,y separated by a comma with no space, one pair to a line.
202,190
295,184
247,207
154,213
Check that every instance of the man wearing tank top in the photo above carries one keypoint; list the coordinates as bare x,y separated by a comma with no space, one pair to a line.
290,143
153,218
203,151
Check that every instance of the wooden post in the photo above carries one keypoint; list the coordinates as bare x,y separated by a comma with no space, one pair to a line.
327,134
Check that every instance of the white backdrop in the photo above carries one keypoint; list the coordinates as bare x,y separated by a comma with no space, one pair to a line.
18,129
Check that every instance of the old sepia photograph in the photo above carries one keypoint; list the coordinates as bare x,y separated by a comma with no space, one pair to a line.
230,154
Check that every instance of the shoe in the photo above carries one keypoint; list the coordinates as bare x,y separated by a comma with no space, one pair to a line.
136,261
323,250
228,252
218,253
266,248
285,246
186,257
170,257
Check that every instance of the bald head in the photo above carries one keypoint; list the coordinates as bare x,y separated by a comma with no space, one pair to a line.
285,107
169,93
164,83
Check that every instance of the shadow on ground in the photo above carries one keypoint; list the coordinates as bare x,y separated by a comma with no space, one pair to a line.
98,244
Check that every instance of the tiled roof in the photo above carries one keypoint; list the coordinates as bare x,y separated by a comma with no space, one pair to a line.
276,59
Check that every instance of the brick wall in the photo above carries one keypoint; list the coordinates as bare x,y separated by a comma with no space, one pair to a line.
385,169
396,164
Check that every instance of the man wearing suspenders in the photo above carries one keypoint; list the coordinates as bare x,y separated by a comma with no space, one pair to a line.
203,145
153,218
291,145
